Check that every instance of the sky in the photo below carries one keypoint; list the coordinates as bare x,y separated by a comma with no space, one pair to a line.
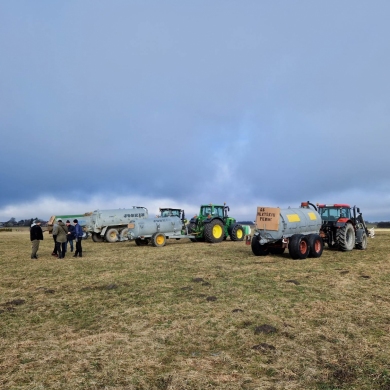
112,104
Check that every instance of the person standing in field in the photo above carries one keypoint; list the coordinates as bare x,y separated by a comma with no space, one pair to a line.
55,228
79,236
71,235
36,235
61,231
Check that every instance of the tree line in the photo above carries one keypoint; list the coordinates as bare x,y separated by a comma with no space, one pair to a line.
23,222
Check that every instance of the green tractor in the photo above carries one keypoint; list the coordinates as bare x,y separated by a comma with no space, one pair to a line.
214,225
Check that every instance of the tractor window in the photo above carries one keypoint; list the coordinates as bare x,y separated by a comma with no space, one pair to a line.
334,213
218,211
345,213
206,211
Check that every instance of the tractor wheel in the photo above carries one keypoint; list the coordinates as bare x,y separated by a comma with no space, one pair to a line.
316,245
96,237
140,242
363,244
214,231
345,237
276,251
298,247
112,235
237,233
158,239
123,234
258,249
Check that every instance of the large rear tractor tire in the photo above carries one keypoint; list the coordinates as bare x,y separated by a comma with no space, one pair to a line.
258,249
140,242
316,245
298,247
96,237
345,237
214,231
158,239
112,235
237,233
363,244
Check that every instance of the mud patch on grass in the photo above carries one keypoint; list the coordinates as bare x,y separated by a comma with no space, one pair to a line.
187,288
198,280
111,286
267,329
263,347
293,281
15,302
10,305
46,290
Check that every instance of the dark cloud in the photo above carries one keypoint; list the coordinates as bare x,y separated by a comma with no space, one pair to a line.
195,102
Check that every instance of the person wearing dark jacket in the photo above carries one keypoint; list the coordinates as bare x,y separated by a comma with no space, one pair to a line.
71,236
36,235
54,253
61,231
79,236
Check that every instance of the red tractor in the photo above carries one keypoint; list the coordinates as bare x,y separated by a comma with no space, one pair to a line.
343,226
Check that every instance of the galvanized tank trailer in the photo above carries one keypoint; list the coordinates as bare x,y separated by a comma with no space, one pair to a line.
111,225
157,230
294,228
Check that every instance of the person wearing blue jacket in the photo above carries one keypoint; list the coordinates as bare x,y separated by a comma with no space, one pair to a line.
78,232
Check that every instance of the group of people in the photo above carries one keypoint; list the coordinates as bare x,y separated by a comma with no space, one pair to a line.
63,233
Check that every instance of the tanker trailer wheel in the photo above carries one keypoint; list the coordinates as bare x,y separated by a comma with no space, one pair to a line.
345,237
112,235
298,247
123,234
237,233
316,245
363,244
213,231
96,237
158,239
258,249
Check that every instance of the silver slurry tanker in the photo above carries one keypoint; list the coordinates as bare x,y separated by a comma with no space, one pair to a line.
294,228
111,225
157,230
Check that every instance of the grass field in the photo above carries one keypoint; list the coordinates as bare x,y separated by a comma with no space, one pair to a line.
193,316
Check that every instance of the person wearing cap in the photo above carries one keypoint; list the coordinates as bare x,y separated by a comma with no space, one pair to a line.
61,231
79,236
36,235
70,236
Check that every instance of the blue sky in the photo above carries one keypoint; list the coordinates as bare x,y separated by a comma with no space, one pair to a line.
107,104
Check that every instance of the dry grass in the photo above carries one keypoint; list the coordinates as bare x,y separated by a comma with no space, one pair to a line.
192,316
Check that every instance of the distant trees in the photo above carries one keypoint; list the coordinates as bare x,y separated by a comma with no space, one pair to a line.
383,225
23,222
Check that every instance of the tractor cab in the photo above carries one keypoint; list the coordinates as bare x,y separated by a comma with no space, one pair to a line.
168,212
212,211
334,212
